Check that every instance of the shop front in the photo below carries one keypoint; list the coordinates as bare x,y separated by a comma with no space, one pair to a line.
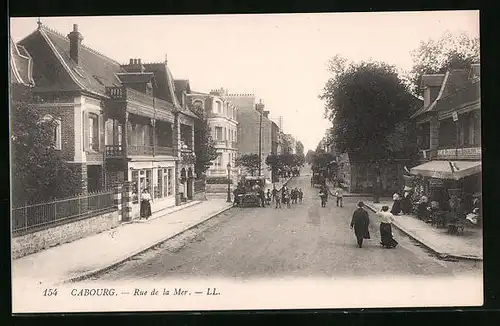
158,178
442,181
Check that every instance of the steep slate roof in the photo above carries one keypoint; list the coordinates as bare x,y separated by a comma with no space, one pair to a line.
21,65
93,72
456,89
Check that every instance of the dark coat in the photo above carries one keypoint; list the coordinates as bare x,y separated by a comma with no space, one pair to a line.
360,221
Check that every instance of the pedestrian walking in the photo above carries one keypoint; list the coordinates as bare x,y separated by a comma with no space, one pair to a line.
236,193
145,208
360,222
262,197
268,197
339,194
274,193
277,199
286,197
293,195
323,195
386,238
301,195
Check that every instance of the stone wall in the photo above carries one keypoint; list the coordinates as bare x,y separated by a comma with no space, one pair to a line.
40,240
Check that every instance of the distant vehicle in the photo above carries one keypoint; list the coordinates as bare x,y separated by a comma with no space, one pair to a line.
251,187
318,179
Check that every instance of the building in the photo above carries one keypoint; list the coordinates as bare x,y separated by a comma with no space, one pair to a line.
254,125
119,123
221,116
449,134
21,65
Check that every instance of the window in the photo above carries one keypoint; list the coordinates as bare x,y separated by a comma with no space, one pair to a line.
159,188
57,134
170,188
219,107
218,133
93,132
135,187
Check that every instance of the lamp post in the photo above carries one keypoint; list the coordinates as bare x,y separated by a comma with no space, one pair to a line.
228,182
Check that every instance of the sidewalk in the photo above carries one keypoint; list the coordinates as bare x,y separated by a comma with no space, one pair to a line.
100,251
332,187
466,246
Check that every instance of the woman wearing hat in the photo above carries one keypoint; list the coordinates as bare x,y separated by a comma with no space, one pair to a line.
386,238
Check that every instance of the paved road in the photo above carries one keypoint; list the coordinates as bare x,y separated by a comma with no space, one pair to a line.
305,240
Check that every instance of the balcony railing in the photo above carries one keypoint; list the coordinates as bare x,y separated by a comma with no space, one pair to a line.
113,151
140,150
162,150
124,93
220,142
427,154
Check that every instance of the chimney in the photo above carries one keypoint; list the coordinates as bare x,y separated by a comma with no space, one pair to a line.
265,114
75,42
166,59
131,62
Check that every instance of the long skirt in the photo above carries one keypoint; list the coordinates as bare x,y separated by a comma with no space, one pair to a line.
386,238
396,207
145,209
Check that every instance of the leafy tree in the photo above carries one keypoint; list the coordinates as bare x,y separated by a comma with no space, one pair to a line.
299,148
205,150
364,102
39,173
286,143
309,156
437,56
249,161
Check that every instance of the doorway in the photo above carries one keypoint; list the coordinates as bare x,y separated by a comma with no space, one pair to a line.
94,178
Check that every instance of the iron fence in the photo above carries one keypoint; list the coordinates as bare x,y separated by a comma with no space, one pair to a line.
34,216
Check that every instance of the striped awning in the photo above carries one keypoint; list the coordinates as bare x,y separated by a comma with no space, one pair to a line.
453,170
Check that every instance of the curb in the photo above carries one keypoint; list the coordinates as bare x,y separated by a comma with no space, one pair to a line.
439,254
139,251
158,213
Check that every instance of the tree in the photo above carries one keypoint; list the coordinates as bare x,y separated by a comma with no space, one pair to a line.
249,161
205,150
39,172
364,102
299,148
309,156
437,56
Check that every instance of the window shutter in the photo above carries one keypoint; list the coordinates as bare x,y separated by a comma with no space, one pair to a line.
86,131
101,133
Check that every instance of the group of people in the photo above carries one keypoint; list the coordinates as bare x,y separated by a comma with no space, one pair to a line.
285,196
402,204
338,192
360,222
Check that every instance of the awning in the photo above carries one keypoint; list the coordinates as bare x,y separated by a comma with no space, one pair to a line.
453,170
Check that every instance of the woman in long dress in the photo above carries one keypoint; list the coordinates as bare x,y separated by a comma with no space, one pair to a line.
145,204
396,207
386,238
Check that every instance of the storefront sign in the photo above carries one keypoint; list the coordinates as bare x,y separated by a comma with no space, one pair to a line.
435,183
458,153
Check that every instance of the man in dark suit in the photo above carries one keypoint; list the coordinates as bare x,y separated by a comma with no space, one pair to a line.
360,222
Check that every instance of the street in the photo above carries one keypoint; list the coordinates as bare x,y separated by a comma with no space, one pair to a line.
304,240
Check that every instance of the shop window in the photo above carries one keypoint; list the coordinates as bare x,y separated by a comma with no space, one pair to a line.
135,187
170,188
159,187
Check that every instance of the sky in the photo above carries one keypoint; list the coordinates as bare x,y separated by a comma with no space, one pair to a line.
281,58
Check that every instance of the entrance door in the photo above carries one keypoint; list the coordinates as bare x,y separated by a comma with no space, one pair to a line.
94,178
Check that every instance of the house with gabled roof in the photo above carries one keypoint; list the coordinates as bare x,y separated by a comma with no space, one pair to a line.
449,127
120,123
